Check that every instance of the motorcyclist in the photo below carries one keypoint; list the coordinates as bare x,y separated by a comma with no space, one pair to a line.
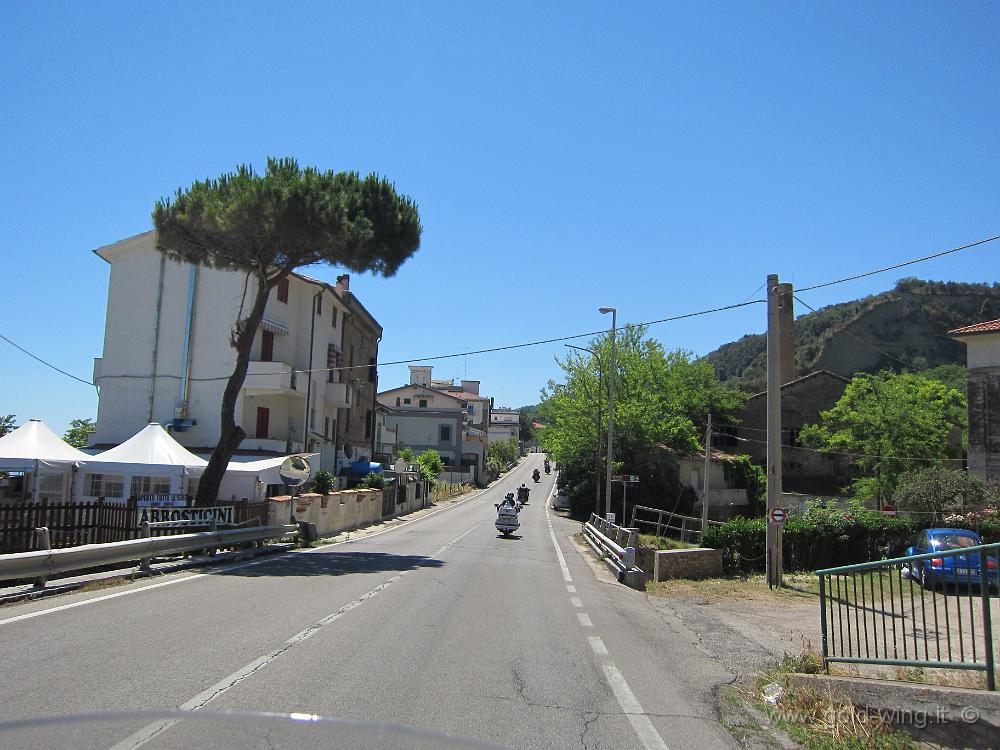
536,475
522,493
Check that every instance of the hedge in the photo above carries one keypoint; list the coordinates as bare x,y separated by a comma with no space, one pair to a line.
826,540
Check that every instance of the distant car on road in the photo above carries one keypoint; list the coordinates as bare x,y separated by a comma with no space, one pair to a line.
950,569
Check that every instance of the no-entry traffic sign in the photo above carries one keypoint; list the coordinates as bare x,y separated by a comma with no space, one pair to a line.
779,515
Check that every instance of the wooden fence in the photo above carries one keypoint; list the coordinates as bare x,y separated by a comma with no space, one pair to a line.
684,526
98,522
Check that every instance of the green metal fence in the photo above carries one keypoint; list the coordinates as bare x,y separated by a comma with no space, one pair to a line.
903,612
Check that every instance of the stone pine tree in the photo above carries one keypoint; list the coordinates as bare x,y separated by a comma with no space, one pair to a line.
266,226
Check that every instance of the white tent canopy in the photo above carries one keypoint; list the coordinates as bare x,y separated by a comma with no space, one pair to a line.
33,446
152,446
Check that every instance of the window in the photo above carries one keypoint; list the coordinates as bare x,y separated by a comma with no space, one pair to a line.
422,403
105,485
333,361
263,418
312,419
266,346
397,400
334,317
471,408
444,433
350,362
372,371
319,304
326,427
283,290
368,424
407,400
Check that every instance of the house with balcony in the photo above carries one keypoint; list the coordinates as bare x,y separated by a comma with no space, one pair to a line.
427,419
167,356
982,341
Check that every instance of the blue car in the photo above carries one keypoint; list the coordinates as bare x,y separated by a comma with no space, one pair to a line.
951,569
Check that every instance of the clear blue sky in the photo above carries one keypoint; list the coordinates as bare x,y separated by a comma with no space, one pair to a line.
656,157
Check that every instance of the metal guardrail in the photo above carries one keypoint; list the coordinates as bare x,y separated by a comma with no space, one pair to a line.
688,524
899,612
40,564
606,535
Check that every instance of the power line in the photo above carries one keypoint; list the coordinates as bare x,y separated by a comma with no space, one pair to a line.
863,341
845,453
557,339
47,364
900,265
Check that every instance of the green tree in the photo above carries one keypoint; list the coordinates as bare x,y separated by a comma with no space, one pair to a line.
7,424
503,453
430,464
886,421
268,225
662,401
76,435
406,454
938,492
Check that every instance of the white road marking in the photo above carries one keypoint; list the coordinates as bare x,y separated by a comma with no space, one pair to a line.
571,588
237,566
562,560
597,645
151,730
650,738
584,619
576,601
106,597
460,536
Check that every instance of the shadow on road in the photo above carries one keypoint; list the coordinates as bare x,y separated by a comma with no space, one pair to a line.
509,538
333,564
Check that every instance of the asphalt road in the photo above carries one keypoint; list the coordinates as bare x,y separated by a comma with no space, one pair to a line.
440,624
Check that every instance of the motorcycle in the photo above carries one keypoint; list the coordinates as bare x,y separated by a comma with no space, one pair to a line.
507,511
536,476
548,469
522,494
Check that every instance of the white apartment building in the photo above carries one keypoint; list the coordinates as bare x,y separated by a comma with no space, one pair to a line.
504,424
167,356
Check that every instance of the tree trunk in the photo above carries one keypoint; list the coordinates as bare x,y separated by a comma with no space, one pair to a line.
231,434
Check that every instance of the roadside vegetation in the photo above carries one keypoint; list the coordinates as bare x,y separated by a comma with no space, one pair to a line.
502,455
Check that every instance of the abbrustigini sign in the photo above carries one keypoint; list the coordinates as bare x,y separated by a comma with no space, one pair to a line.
222,514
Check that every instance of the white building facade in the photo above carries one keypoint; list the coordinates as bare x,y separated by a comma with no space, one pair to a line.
167,356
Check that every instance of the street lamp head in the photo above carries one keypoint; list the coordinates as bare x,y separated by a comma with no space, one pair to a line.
607,310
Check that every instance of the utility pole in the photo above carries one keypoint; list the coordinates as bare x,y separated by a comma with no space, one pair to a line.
611,406
773,550
704,497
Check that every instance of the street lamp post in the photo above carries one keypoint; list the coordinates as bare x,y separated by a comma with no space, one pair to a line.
600,401
611,408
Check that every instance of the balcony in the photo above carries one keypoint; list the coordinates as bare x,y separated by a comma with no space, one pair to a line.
270,445
338,395
272,379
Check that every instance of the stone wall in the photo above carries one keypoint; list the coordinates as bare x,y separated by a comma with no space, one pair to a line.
687,563
332,513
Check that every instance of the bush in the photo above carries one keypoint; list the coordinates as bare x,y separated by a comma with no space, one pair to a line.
430,465
323,482
939,492
373,480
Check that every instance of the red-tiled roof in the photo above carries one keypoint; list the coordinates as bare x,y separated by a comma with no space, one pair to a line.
464,395
990,326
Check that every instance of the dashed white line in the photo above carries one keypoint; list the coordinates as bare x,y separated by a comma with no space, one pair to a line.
643,726
584,619
576,601
597,645
571,588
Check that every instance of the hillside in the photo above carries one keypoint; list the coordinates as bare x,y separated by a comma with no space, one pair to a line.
909,322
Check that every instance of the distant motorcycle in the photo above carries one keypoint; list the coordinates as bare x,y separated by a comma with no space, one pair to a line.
548,468
522,494
537,476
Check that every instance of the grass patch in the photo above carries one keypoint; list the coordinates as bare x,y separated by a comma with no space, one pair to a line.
749,588
660,542
106,583
819,720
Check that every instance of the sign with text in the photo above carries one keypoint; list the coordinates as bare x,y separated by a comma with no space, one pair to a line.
162,501
222,514
628,478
